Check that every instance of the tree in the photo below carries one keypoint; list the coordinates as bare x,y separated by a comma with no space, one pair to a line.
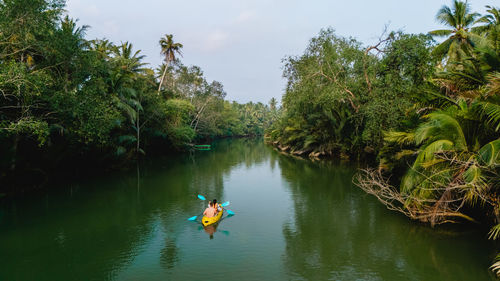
490,27
127,69
460,40
169,49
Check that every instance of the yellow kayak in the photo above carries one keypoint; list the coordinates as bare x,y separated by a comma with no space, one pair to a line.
208,221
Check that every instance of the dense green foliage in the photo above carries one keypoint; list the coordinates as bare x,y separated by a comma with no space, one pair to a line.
428,113
63,97
340,96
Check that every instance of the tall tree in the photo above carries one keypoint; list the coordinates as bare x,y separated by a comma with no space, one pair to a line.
273,104
460,39
490,27
168,48
491,20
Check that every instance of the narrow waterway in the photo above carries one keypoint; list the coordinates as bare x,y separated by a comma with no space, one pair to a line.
295,220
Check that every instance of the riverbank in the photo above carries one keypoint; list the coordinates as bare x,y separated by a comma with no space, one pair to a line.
317,155
69,102
427,112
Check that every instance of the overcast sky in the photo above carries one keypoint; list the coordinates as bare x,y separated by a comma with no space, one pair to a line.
241,43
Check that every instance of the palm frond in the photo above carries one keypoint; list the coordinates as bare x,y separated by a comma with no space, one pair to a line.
493,86
402,138
494,234
442,49
446,17
441,32
476,183
404,153
429,152
489,154
443,126
492,113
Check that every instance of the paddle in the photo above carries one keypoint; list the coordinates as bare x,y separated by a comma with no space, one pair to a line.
229,212
201,197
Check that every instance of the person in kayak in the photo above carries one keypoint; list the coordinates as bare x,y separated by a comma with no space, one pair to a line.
210,211
216,205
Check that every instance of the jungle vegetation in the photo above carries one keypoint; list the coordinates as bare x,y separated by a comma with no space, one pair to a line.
67,99
425,107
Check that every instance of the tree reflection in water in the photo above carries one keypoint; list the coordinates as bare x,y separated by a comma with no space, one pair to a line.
340,233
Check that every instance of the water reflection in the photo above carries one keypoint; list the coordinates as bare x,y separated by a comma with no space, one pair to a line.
340,233
169,254
211,229
97,229
296,220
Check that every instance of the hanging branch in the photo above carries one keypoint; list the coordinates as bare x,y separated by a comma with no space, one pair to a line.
446,209
376,47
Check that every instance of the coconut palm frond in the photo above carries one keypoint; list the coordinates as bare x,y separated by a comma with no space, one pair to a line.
441,32
442,125
494,234
489,154
490,111
402,138
404,153
442,49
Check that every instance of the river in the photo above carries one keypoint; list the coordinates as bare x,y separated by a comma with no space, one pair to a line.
295,220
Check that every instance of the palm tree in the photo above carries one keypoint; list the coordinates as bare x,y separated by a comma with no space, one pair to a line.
273,104
168,49
102,47
131,61
491,27
460,39
491,20
127,67
454,156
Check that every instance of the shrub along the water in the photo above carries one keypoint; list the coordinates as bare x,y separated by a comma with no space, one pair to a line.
428,113
65,99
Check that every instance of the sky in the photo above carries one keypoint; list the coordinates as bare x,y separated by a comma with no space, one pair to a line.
241,43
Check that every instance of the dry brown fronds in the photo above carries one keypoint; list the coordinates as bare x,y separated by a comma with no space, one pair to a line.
445,209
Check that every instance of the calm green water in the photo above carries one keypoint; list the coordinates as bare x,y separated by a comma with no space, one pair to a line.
295,220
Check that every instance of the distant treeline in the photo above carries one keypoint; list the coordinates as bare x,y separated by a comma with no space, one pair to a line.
64,98
428,113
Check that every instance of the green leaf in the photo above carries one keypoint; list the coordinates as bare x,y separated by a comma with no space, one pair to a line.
489,154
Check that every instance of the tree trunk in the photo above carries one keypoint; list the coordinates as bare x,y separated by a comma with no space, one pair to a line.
163,77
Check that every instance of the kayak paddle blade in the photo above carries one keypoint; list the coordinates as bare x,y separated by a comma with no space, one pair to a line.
225,204
229,212
202,197
192,218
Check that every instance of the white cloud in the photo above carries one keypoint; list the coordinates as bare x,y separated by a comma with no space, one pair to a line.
245,16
